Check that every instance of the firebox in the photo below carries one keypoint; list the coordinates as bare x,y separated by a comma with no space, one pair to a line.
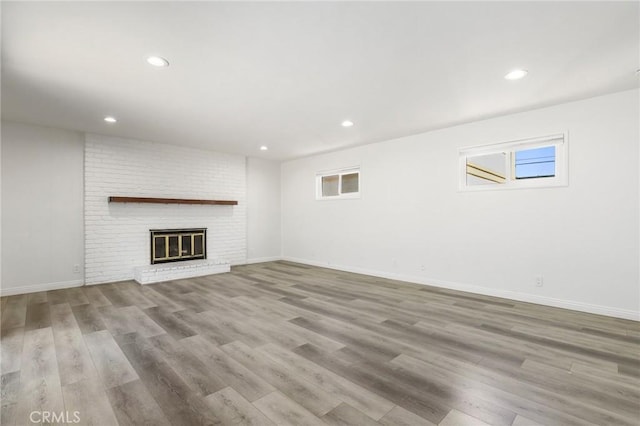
174,245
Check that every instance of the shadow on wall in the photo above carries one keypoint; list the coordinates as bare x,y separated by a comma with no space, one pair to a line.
167,210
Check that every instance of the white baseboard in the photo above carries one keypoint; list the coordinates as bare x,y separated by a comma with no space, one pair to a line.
507,294
34,288
263,260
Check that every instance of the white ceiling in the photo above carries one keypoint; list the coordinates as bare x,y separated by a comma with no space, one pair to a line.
287,74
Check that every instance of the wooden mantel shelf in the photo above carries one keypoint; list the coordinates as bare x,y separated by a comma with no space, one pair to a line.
170,201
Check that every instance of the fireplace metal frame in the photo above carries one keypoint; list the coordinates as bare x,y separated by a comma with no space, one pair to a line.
179,233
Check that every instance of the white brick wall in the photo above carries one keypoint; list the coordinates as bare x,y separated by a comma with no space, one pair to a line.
117,234
178,270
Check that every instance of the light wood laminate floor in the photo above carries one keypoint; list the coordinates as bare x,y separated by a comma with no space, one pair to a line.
281,343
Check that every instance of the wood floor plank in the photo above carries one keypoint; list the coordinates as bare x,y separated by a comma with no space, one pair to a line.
142,324
367,378
389,313
161,300
271,332
74,361
310,336
304,393
398,416
193,301
114,321
33,298
115,294
204,327
401,392
360,340
171,324
88,318
138,298
233,409
14,313
533,402
602,376
246,382
594,339
523,421
623,402
189,367
285,412
11,340
129,319
8,414
133,405
276,305
57,296
112,366
456,418
605,355
237,330
88,399
9,388
76,296
615,394
314,306
358,397
179,403
255,308
95,296
345,415
40,388
418,385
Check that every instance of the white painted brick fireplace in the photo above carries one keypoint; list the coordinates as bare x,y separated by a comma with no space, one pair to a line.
117,234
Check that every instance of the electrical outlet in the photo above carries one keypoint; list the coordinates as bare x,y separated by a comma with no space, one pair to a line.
539,281
422,268
76,269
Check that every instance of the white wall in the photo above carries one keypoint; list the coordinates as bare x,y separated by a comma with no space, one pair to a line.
42,197
412,223
1,125
117,234
263,210
42,236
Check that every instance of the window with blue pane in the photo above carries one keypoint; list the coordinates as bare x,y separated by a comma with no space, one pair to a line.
525,163
535,163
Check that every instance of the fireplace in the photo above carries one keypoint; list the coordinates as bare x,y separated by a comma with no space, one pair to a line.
174,245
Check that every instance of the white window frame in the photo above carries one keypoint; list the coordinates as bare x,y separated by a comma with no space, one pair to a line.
340,173
561,178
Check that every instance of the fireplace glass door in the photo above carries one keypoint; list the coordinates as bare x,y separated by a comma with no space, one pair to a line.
172,245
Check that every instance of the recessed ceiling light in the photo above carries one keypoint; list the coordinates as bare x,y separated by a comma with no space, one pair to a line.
158,61
263,148
347,123
516,74
110,119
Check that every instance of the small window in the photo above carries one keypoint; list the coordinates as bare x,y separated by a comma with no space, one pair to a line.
539,162
343,183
